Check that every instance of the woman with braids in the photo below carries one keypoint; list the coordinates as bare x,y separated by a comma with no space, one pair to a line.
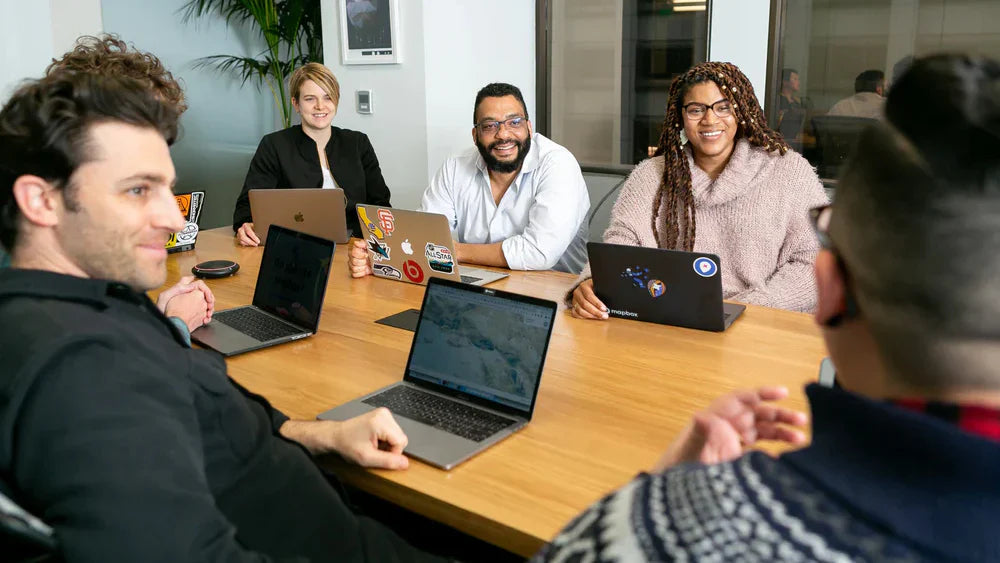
722,182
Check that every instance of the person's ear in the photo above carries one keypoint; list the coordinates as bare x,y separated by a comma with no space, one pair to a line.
475,137
831,290
295,104
38,200
530,129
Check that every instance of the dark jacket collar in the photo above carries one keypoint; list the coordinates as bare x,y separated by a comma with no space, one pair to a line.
920,477
50,285
307,146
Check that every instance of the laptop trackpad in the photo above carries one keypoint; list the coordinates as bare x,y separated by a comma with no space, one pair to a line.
222,337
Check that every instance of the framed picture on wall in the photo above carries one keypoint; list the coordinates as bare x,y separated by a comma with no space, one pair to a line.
369,32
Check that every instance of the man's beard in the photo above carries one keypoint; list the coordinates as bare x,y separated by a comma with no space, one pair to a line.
504,167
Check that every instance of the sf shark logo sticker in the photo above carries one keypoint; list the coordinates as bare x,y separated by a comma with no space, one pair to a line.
372,227
379,250
439,258
705,267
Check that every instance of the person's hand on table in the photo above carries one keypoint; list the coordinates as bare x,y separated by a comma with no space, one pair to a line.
189,300
586,305
373,439
246,236
357,259
731,423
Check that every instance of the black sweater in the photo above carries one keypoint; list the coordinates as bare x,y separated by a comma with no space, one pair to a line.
134,447
288,159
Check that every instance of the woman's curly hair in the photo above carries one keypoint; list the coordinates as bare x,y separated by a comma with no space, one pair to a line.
675,193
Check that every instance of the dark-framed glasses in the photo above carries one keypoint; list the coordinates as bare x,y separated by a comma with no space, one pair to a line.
491,127
820,217
695,111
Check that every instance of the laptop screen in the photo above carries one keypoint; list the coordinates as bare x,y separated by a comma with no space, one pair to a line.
293,275
482,342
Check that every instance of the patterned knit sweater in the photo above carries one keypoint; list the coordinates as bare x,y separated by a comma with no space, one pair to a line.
754,216
878,483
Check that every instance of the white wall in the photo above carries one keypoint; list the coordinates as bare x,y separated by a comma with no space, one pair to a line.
225,120
467,45
739,36
33,33
423,106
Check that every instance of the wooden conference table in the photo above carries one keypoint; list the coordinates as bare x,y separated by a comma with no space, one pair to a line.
613,394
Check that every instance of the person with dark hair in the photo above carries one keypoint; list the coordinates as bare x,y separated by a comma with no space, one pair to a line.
314,154
108,55
721,173
130,444
789,97
868,98
904,457
517,200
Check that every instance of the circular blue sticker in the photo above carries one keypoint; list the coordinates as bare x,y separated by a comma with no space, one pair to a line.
705,267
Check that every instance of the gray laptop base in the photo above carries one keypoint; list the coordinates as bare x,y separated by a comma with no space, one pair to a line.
427,443
229,341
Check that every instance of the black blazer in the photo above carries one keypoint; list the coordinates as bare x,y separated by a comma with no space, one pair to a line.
288,159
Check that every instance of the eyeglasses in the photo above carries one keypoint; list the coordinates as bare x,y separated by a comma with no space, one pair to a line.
695,111
492,127
821,217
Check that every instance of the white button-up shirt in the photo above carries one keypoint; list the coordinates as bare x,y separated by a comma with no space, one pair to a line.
541,218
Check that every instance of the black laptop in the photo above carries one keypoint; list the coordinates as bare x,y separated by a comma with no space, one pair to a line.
670,287
288,299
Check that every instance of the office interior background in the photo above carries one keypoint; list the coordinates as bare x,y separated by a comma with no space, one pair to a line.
594,73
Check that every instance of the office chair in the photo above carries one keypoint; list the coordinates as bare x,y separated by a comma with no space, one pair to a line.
597,229
836,136
25,538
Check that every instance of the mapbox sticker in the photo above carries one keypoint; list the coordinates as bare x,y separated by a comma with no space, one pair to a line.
386,271
439,258
413,271
705,267
386,221
379,249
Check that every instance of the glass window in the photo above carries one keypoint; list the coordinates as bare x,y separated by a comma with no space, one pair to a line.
610,63
837,60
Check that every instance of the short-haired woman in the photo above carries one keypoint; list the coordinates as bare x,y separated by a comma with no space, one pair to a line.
313,155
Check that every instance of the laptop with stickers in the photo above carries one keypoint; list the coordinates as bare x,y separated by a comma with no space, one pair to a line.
670,287
473,373
287,301
318,212
414,246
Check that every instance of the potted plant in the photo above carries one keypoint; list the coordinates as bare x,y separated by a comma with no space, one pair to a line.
291,30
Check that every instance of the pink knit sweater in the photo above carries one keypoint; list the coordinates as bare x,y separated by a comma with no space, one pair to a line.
754,216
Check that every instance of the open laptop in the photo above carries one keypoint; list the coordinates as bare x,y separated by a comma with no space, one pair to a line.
473,373
414,246
190,205
669,287
318,212
287,301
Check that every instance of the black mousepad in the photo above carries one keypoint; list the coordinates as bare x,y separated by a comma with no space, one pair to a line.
406,320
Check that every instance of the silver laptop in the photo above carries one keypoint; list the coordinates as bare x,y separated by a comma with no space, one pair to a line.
318,212
287,301
473,373
414,246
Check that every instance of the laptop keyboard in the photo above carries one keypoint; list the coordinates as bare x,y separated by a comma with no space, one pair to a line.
451,416
470,279
256,324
